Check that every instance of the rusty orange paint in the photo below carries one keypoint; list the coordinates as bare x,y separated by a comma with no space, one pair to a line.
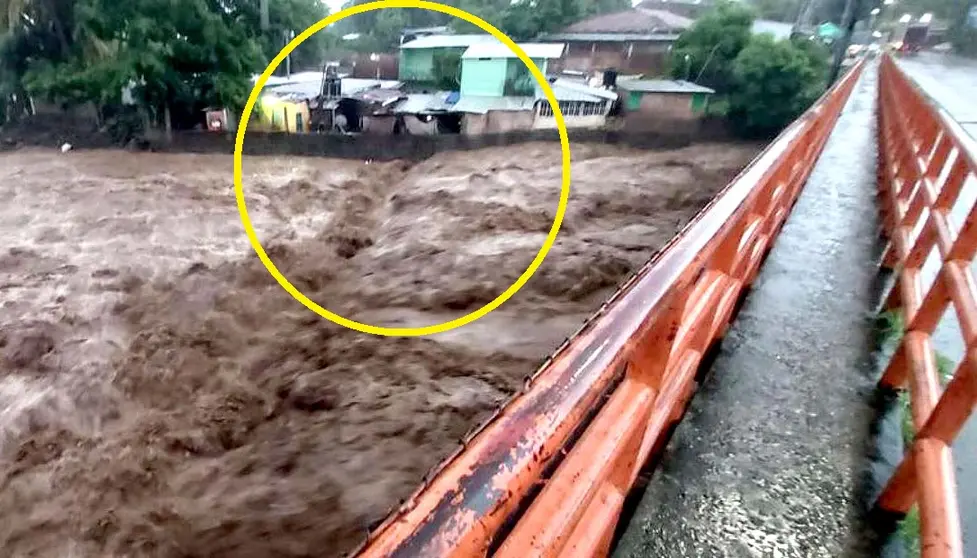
548,473
916,142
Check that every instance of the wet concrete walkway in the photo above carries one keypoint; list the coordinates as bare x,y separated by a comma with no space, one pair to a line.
768,460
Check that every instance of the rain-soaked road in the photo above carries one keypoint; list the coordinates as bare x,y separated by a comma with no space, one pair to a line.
952,82
767,461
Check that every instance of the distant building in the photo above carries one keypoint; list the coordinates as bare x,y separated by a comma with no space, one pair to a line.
778,29
409,34
686,8
493,69
498,93
635,40
582,106
650,102
417,56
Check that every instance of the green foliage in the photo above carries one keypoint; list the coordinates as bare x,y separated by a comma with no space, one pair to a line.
962,35
177,56
447,70
908,532
705,52
773,83
818,55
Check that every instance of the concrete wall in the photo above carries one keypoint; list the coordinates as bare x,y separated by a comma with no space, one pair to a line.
277,115
378,125
497,122
52,132
415,126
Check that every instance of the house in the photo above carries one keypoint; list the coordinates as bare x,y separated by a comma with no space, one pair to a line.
408,34
686,8
417,57
650,102
498,92
493,69
280,113
582,106
635,40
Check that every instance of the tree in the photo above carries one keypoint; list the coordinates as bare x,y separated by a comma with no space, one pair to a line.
774,83
704,52
962,35
180,55
447,70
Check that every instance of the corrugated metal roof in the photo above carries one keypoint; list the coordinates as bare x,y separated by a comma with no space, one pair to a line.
427,103
310,89
478,104
568,90
443,41
662,86
499,50
613,37
635,20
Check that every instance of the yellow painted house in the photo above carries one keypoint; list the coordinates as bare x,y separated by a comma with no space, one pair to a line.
276,114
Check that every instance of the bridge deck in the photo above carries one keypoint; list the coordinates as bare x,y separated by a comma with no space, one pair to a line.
769,457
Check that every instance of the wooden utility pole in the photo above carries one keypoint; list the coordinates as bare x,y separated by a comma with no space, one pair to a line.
264,15
841,45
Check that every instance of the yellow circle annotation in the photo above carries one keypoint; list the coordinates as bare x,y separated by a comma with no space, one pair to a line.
402,331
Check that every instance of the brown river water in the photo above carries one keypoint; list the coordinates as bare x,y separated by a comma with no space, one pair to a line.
161,395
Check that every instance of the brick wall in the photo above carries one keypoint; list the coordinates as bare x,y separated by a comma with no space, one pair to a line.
649,58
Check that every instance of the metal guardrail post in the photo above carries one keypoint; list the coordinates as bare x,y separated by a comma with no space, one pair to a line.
924,163
548,473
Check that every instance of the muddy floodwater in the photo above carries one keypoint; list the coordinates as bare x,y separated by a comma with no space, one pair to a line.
161,395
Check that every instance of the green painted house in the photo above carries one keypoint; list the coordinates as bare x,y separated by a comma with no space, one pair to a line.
417,57
492,70
664,98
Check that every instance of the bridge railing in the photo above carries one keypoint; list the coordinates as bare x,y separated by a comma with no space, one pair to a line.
547,475
925,162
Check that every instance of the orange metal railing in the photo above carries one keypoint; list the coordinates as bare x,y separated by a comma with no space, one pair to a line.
925,161
548,473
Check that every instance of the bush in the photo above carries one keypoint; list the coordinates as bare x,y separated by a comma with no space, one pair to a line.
709,47
773,82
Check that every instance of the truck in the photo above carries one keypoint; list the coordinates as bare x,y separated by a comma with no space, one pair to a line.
909,38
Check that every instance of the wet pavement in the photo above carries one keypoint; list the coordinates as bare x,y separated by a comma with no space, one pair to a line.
950,80
769,458
952,83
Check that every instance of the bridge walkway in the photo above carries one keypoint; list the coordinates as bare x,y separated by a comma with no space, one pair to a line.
770,459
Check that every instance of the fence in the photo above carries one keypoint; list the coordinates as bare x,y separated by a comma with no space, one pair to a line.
925,161
547,475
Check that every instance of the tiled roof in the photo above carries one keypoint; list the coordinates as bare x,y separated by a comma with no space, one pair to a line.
634,21
567,90
478,104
